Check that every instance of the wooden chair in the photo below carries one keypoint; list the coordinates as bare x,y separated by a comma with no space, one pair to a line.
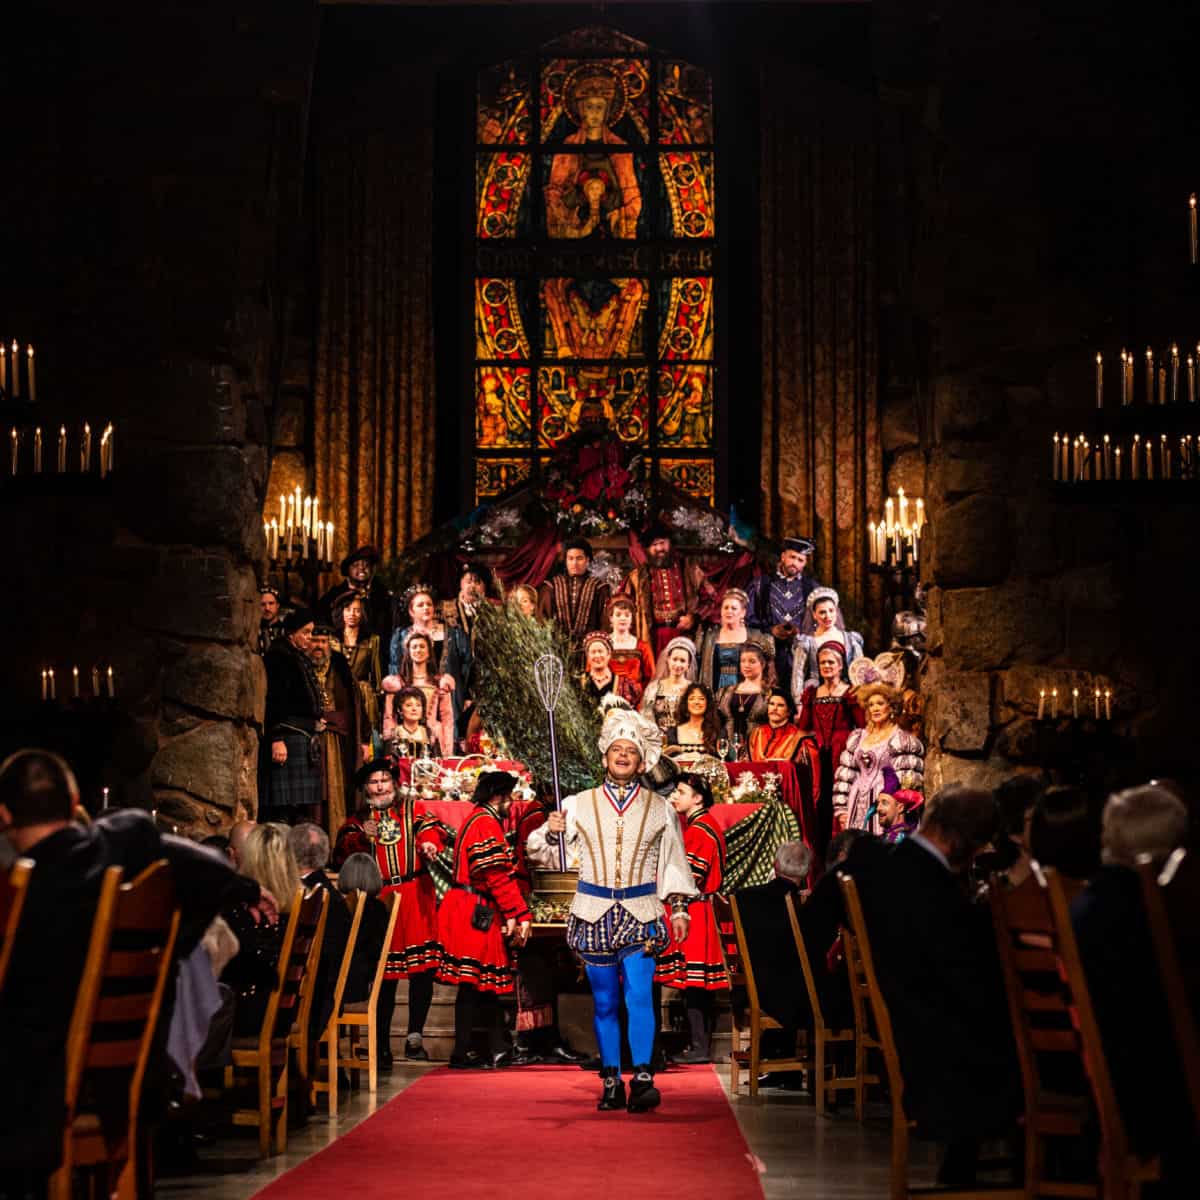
1183,1024
1122,1172
865,1038
745,1051
1042,1026
13,889
823,1035
329,1035
359,1018
266,1053
299,1041
901,1126
131,952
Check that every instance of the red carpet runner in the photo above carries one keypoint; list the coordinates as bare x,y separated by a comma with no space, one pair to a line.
534,1133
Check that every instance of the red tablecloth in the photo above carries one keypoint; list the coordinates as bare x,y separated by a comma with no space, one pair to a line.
455,812
789,789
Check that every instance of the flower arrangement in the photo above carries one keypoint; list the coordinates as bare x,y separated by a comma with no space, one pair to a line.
749,789
596,487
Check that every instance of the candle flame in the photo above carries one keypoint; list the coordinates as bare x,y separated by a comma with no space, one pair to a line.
1192,200
1099,358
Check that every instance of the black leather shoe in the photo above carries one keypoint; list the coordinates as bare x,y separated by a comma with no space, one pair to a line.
525,1058
471,1061
503,1059
643,1095
591,1064
564,1054
693,1055
416,1053
612,1097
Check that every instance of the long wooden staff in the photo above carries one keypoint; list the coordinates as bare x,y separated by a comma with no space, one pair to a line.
548,677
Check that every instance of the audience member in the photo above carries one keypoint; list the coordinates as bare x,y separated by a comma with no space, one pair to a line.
239,831
310,847
1123,979
940,974
252,973
38,793
360,873
1064,832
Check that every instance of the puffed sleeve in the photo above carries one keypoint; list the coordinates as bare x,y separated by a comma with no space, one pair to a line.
541,848
845,774
674,871
490,864
908,760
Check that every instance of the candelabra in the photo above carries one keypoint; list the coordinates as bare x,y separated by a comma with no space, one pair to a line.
298,541
894,549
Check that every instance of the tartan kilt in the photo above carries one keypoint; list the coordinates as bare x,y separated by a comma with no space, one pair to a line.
698,962
295,782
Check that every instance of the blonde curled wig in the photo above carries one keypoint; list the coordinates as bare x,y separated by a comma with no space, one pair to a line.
890,694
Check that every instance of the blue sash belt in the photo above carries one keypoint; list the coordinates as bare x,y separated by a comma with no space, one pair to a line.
629,893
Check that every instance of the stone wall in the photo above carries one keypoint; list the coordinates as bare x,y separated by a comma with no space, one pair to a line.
1021,247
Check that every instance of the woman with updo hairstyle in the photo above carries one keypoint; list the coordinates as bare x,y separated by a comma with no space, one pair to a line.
676,669
697,966
720,649
697,727
828,710
882,743
823,623
632,658
599,678
742,708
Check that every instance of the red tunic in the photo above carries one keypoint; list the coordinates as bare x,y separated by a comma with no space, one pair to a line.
414,946
534,817
484,863
637,666
698,962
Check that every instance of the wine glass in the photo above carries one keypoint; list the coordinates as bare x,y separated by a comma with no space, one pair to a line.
723,748
736,747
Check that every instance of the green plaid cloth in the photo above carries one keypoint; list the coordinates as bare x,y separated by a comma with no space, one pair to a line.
750,845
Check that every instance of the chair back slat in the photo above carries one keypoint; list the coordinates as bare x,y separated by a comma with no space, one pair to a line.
303,924
309,969
1183,1023
14,887
357,903
393,903
133,981
864,981
731,948
745,973
1112,1127
810,980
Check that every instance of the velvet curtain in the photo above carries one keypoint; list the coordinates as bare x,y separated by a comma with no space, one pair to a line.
374,366
821,456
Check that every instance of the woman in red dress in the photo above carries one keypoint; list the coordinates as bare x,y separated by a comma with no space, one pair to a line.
632,658
829,711
483,907
697,966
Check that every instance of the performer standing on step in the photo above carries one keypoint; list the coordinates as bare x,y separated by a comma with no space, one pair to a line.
698,967
627,842
483,910
779,602
400,834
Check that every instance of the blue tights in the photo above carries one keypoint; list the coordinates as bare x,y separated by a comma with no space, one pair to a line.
634,974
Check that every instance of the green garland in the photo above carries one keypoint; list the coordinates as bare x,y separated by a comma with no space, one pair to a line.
507,644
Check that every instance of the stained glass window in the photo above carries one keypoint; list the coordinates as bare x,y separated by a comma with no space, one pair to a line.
594,226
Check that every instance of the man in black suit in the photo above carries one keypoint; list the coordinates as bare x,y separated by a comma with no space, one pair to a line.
310,845
38,795
935,954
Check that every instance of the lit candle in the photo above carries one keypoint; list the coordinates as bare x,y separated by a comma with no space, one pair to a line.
16,371
1117,463
1149,459
903,508
37,451
1164,456
1149,375
62,449
14,439
1129,376
45,685
95,683
916,544
282,510
267,536
1191,364
1192,227
889,515
4,369
1124,391
871,543
1174,373
75,682
1108,704
85,449
1075,703
1054,460
109,683
1162,385
316,514
1054,703
291,513
104,800
274,538
1106,460
53,685
1097,704
1042,705
291,530
1099,380
32,378
110,431
329,540
307,520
